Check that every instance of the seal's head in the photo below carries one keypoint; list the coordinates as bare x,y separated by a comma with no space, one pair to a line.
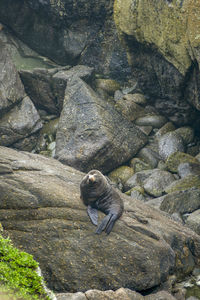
93,185
94,177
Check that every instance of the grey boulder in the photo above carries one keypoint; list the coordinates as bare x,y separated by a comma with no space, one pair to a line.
42,213
91,133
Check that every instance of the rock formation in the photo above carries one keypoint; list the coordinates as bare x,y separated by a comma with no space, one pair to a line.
41,211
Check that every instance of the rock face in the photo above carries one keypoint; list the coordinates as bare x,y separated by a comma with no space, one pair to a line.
69,32
46,87
41,211
91,133
11,88
18,116
163,41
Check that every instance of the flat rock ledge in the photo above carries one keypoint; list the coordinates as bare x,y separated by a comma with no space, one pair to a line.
41,211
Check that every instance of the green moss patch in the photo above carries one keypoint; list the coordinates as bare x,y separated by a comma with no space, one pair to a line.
18,274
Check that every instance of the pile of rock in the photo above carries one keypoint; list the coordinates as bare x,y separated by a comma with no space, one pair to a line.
166,172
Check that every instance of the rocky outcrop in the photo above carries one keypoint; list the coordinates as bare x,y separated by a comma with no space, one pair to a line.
41,211
69,32
91,133
11,88
18,116
46,87
162,40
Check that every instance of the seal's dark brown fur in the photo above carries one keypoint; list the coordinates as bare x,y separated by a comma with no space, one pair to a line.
98,194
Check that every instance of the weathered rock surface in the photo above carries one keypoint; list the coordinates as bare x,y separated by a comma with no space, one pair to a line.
18,116
193,221
20,122
11,88
185,201
69,32
41,211
46,87
186,169
177,158
156,183
91,133
169,143
162,40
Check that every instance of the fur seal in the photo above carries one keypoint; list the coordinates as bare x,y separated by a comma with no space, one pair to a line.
98,194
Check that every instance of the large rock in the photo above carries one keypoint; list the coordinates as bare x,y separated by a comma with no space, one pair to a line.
169,143
162,40
182,202
91,133
175,27
69,32
11,87
41,211
46,87
18,116
20,122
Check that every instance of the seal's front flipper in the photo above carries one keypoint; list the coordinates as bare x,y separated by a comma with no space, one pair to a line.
111,224
93,214
103,224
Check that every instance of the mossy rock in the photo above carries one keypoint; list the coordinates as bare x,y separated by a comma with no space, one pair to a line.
177,158
169,126
121,174
129,109
139,165
50,128
187,134
136,98
184,184
18,273
138,188
172,27
107,85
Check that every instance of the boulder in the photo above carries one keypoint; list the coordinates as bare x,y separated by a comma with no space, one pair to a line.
121,174
185,183
92,134
69,32
162,42
150,156
186,169
169,126
19,118
181,202
129,109
42,213
46,87
21,121
156,183
156,121
169,143
11,87
193,221
137,179
177,158
187,134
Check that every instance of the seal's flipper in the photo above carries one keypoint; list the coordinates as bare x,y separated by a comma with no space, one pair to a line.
93,214
103,224
111,224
